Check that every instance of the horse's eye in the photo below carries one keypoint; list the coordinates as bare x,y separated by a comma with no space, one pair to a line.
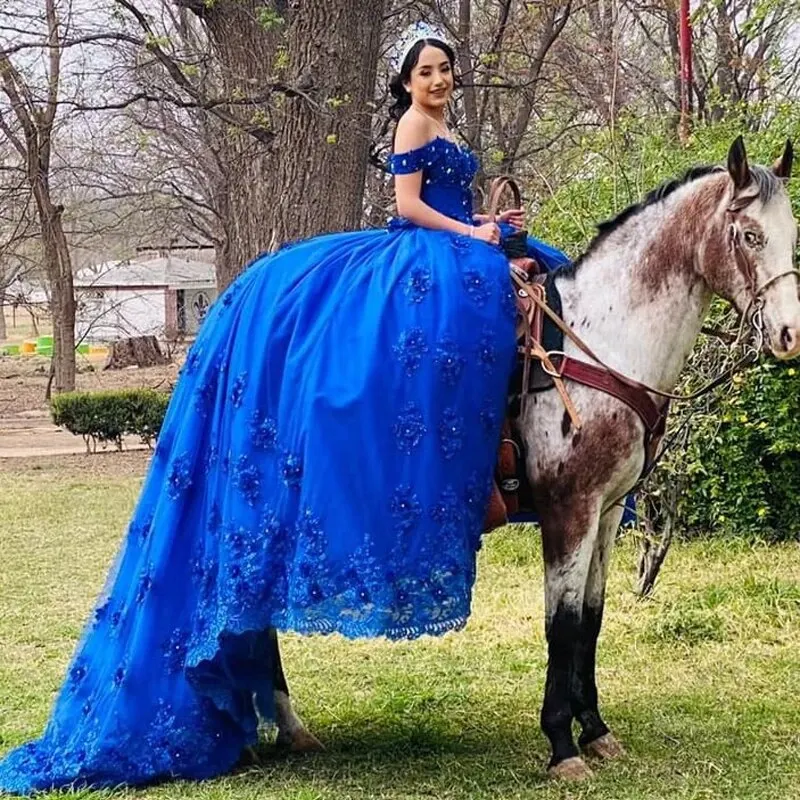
752,239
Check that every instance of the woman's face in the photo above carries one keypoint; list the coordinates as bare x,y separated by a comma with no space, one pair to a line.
431,82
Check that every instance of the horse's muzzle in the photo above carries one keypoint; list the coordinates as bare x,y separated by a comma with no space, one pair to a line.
786,344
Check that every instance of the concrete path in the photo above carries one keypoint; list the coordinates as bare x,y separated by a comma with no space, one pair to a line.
33,434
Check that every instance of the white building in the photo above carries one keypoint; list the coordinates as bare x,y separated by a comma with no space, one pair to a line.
166,297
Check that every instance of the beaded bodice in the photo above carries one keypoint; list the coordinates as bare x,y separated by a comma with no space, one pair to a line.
447,173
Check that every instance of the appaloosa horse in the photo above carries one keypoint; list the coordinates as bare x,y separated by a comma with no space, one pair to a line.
637,298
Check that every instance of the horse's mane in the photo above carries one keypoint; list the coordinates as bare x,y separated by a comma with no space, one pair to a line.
766,181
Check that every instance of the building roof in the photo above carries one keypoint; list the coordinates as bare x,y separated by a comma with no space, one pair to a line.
168,272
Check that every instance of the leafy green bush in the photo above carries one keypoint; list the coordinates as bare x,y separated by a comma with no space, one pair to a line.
744,459
606,170
110,415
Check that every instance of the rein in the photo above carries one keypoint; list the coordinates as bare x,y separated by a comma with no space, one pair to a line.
523,292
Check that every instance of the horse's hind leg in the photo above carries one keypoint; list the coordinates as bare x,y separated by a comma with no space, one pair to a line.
292,733
596,739
568,538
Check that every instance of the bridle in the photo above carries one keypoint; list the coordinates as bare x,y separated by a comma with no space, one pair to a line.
753,311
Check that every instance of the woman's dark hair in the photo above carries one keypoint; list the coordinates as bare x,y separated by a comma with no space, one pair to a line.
402,98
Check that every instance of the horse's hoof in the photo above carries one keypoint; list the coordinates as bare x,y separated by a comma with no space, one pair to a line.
605,747
299,741
570,769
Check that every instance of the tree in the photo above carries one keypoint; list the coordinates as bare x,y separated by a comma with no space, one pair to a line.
746,51
296,83
28,122
504,51
16,225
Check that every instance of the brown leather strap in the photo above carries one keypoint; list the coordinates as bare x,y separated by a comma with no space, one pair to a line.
496,512
598,378
499,185
523,287
504,499
508,469
531,335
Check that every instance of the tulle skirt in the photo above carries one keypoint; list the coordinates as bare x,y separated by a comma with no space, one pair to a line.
324,466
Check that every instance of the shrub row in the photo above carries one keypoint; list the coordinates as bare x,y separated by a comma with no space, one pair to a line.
110,415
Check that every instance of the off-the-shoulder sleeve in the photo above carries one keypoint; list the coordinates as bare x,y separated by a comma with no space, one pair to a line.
413,160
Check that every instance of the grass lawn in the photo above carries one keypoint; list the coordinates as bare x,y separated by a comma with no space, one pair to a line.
702,684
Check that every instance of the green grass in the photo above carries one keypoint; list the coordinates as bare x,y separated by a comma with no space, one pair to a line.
701,683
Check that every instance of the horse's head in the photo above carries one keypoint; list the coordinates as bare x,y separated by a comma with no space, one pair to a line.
751,261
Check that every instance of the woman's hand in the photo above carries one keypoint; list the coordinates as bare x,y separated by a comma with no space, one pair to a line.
515,217
488,232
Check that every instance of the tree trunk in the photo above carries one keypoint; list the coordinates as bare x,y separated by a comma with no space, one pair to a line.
551,26
3,331
138,351
62,295
309,178
652,552
675,56
724,58
34,321
34,144
658,524
247,53
320,177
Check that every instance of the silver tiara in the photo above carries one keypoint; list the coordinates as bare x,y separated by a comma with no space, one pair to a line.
417,32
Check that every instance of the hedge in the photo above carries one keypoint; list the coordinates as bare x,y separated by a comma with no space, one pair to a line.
108,416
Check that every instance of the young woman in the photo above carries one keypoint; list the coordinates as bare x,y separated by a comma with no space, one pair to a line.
324,466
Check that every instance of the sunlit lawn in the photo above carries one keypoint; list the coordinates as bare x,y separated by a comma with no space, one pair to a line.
702,683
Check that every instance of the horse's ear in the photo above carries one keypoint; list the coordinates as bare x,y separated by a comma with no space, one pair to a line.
783,166
738,167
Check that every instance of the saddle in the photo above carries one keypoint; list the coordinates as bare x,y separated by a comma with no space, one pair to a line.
511,493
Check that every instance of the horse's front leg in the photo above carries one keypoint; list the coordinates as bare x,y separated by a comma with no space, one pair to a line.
569,533
596,739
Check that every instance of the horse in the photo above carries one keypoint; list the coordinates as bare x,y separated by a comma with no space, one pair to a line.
638,296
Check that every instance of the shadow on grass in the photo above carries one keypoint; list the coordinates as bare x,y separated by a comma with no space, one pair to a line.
425,756
679,744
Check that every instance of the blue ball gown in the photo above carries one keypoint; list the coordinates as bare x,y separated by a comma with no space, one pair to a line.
324,466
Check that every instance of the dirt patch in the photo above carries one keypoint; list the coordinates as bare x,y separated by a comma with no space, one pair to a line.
99,465
23,380
26,430
33,434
